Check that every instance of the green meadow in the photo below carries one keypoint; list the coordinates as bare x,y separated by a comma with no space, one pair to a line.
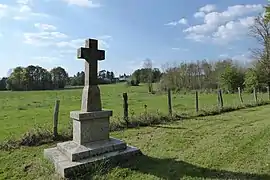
23,111
232,145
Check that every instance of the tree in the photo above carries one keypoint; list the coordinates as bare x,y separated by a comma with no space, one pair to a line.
208,75
59,77
3,84
15,80
267,13
156,75
78,79
261,32
112,76
251,80
149,73
231,78
29,78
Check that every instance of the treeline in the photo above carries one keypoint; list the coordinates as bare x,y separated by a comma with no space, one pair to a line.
37,78
104,77
203,75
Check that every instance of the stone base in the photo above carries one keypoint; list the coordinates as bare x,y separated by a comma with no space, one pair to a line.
70,158
90,126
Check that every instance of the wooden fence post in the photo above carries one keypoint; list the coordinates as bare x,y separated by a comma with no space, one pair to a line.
169,102
268,92
55,118
125,107
240,95
255,95
220,99
197,101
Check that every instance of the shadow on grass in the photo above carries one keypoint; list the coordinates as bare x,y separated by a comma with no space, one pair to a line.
172,169
167,127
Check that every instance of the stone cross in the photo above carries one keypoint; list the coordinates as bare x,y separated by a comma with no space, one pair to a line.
91,54
91,142
91,100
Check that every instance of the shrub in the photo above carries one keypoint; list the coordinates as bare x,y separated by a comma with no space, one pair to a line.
133,82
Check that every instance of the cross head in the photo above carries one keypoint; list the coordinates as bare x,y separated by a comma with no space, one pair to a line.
91,54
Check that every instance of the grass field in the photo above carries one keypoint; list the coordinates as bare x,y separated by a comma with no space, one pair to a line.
21,111
229,146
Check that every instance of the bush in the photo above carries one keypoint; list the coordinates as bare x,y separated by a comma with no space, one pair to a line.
133,82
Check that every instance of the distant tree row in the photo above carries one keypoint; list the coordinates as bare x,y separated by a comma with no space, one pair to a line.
35,78
104,77
203,75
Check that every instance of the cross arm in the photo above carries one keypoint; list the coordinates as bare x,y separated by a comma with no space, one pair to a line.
87,54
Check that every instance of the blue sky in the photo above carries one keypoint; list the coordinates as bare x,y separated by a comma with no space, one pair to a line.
48,32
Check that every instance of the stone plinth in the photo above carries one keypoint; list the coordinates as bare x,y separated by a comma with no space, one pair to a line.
67,168
90,126
76,152
91,143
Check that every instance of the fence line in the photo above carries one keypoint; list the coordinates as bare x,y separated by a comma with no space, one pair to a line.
220,105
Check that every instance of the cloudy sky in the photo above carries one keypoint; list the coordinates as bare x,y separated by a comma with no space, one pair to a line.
48,32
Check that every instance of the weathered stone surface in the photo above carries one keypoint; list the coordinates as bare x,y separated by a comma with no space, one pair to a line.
81,116
76,152
91,54
91,100
91,130
67,168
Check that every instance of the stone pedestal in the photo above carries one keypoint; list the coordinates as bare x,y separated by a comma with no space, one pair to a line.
90,126
91,143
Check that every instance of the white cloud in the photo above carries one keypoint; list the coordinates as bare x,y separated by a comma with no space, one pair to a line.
44,27
83,3
3,10
233,30
103,43
75,43
174,23
180,49
43,38
208,8
19,18
204,10
46,59
215,22
25,9
199,14
21,11
23,1
223,55
197,37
